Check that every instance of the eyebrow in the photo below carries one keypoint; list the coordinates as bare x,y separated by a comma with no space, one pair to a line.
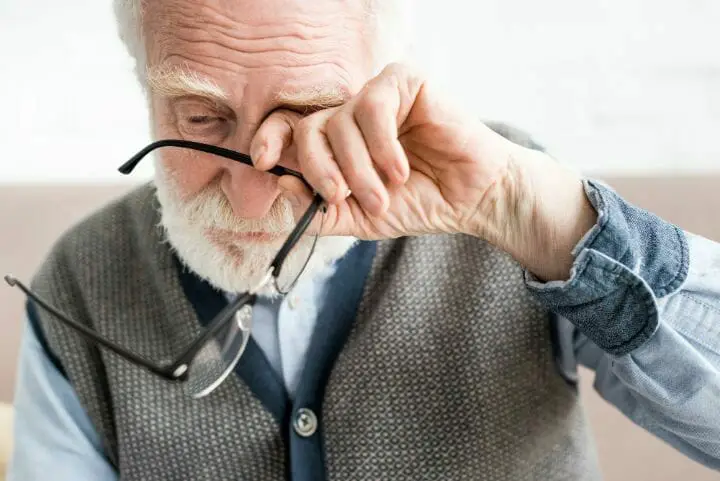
174,81
180,82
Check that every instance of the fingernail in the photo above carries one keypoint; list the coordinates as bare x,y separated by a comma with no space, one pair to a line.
329,188
257,153
374,202
399,174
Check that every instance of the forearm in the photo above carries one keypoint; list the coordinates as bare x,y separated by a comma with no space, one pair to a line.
642,304
538,212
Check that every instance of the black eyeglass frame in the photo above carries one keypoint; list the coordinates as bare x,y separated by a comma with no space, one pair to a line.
177,370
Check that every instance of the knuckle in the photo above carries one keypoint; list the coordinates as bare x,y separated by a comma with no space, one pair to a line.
401,76
372,104
335,123
309,166
271,120
397,69
310,157
287,120
306,125
303,129
289,116
355,172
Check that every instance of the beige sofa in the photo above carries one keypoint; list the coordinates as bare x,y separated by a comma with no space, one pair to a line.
5,438
32,216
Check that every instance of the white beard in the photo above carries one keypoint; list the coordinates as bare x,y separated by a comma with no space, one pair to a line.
235,267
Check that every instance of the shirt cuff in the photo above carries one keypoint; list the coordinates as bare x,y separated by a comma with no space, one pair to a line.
627,261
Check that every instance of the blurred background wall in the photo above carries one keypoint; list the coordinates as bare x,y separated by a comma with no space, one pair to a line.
626,90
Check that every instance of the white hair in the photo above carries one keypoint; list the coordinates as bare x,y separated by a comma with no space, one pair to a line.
128,15
390,25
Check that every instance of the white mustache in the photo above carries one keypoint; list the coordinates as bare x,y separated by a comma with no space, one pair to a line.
210,208
187,221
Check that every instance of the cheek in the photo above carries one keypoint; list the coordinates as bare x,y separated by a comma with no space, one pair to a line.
189,171
189,175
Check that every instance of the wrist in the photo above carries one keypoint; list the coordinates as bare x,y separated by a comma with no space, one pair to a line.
537,212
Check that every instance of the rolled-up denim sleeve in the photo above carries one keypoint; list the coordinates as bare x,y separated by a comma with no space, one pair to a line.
642,308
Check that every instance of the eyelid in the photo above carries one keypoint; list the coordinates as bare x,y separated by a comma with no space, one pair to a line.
206,117
215,108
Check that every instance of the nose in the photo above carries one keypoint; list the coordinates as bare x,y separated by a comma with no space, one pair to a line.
251,193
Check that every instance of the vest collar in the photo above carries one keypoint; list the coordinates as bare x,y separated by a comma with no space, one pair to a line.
333,326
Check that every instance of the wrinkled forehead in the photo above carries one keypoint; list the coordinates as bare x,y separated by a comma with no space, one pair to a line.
170,21
252,56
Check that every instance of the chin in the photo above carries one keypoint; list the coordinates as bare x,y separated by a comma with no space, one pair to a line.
236,268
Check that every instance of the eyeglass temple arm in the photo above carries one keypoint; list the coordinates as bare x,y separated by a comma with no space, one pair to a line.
297,233
163,371
174,371
130,165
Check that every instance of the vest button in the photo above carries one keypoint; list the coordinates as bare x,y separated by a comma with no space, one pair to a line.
305,423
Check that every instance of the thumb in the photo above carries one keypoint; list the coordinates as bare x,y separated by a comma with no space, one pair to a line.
296,193
299,196
272,138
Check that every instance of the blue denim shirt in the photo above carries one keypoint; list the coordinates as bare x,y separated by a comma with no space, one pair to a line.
641,308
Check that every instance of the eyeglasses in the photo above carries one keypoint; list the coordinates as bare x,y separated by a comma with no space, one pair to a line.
208,360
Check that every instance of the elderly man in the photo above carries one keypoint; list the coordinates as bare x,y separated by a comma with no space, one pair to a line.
384,288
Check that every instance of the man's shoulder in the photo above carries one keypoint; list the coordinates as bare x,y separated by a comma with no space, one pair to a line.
113,232
114,221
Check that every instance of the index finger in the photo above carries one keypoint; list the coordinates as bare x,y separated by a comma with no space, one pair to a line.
272,137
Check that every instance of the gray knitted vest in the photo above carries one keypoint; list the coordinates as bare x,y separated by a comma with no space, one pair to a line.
447,373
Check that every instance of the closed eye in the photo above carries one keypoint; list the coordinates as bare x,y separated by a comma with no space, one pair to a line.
203,119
